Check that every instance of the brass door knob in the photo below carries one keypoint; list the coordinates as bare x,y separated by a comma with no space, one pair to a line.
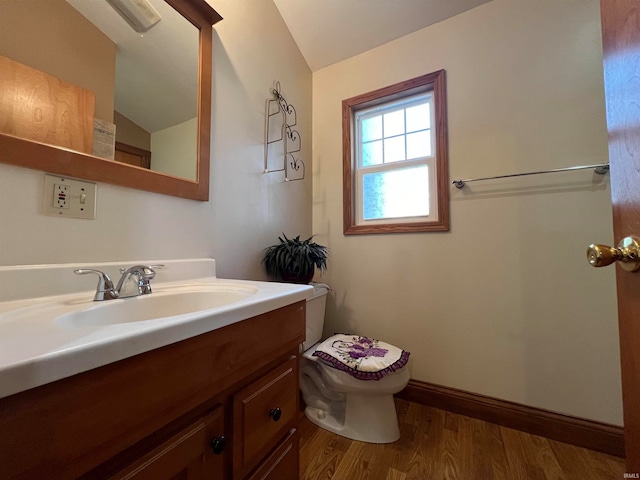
627,253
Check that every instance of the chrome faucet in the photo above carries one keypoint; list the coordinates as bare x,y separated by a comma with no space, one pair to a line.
133,282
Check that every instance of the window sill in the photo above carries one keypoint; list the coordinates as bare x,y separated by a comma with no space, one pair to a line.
396,228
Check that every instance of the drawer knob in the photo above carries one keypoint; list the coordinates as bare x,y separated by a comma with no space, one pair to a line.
217,444
275,414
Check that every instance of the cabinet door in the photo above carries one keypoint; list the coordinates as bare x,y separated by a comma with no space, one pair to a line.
263,413
188,455
283,463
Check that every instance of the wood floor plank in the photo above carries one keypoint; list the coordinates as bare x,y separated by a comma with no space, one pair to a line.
359,463
603,467
572,461
487,451
394,474
435,444
519,466
396,454
425,459
451,421
496,454
578,462
535,472
456,449
382,462
465,446
539,453
401,409
452,460
322,453
412,413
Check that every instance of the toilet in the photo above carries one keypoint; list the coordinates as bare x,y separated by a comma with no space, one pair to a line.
335,400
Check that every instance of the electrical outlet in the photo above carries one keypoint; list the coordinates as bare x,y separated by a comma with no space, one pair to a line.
60,196
68,197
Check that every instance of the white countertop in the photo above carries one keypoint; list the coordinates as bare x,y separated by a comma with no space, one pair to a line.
35,349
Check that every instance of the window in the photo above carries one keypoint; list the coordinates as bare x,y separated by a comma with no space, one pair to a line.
395,164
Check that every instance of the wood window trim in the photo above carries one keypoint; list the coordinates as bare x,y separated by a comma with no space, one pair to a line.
435,82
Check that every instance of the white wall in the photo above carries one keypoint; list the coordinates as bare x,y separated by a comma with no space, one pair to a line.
247,209
505,304
174,150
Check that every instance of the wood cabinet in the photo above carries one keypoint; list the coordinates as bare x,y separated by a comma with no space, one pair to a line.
283,463
264,412
192,454
154,416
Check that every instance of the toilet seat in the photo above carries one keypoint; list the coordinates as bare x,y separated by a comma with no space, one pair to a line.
342,381
361,357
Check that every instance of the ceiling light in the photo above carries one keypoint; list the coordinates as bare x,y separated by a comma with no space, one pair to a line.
139,14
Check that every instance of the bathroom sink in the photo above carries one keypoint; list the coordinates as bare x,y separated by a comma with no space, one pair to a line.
50,327
168,303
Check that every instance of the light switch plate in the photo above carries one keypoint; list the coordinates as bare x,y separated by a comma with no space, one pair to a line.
68,197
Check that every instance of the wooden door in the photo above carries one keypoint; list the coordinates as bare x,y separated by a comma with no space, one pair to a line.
621,42
132,155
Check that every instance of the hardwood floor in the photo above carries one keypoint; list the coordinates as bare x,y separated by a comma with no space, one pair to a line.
436,444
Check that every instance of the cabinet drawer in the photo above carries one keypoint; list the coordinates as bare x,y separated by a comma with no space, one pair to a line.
263,413
188,454
283,463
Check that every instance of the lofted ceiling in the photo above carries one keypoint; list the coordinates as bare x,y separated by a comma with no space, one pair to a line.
156,72
328,31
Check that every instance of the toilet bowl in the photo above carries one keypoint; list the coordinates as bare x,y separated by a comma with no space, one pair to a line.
362,410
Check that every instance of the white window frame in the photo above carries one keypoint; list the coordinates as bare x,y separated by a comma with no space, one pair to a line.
428,161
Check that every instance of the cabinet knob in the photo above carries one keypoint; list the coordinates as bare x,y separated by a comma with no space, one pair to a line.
217,444
275,414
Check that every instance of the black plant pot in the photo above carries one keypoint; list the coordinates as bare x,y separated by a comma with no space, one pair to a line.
294,278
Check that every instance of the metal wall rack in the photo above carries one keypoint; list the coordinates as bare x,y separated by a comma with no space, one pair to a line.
279,110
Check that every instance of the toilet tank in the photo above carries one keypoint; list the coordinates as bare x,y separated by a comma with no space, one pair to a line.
315,315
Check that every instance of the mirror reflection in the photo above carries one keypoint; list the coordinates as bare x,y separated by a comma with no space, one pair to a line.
135,91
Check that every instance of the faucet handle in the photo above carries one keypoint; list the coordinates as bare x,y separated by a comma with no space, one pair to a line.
149,274
136,280
104,289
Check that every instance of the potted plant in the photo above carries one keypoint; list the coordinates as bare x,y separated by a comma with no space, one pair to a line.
294,260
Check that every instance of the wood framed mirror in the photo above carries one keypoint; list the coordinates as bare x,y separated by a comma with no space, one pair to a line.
61,160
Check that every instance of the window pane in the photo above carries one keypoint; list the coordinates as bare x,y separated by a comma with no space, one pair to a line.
372,153
418,117
394,149
393,123
419,144
398,193
372,128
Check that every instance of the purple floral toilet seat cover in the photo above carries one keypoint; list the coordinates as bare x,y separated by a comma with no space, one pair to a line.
361,357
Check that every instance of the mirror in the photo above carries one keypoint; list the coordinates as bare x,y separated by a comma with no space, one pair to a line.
174,123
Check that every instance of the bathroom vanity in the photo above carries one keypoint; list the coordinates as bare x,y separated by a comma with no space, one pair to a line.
219,404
